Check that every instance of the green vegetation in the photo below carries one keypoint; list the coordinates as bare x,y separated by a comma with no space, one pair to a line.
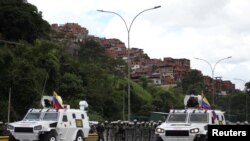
28,68
21,21
37,65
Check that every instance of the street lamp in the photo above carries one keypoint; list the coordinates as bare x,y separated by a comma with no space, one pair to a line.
128,59
212,69
246,92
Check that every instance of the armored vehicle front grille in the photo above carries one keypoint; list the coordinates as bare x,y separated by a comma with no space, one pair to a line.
24,129
177,133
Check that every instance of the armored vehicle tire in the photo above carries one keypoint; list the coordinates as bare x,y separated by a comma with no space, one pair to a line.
79,136
12,138
51,136
202,138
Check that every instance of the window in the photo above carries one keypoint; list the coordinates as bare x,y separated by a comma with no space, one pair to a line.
198,118
65,119
74,116
177,117
50,116
32,116
82,116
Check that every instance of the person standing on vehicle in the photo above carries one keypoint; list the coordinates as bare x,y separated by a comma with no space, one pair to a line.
100,130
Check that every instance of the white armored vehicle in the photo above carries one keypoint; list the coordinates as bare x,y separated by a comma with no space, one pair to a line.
189,124
50,124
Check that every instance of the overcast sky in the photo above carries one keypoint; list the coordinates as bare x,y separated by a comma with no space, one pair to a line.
206,29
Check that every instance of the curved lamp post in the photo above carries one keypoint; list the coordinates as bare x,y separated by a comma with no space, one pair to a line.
212,69
246,92
128,28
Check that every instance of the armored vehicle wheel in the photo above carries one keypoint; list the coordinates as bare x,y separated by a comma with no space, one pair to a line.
79,137
202,138
51,136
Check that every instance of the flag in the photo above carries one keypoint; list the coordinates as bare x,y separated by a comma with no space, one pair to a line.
204,102
57,101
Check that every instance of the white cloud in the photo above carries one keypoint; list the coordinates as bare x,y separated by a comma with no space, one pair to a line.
208,29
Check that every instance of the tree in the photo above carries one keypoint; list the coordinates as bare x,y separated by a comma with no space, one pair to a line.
92,52
247,85
22,76
21,21
24,68
71,87
193,83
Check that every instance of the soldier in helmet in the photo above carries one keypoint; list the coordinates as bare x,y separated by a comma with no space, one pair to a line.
100,131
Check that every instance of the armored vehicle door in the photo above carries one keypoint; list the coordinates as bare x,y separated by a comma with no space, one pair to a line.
63,126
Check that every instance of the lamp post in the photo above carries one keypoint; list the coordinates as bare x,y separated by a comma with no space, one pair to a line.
212,69
128,28
246,92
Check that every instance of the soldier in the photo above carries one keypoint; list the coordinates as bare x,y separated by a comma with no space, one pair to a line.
100,129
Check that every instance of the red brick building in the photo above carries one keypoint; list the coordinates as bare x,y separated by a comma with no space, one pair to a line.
162,72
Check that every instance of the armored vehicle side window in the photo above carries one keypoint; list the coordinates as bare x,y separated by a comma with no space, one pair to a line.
74,116
177,117
50,116
82,116
198,118
65,119
32,116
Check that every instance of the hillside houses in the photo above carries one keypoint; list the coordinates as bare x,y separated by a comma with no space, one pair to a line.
164,72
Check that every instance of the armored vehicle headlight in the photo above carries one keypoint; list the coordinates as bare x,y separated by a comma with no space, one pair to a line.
39,127
159,130
10,127
195,130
